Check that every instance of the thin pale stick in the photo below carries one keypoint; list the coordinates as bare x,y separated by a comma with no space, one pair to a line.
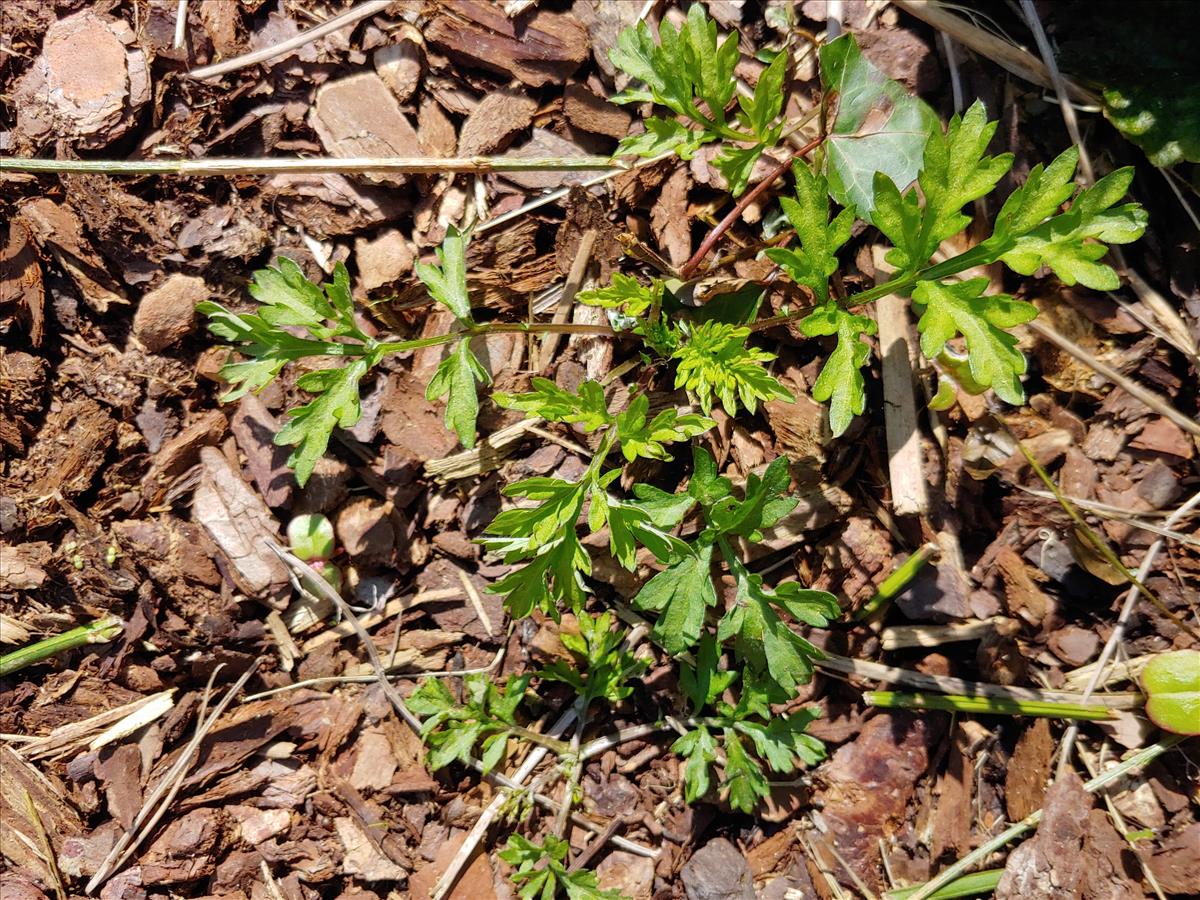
1118,633
979,854
349,17
180,24
1147,396
156,805
351,165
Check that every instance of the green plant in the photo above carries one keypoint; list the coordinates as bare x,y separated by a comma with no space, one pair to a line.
541,873
881,158
1172,685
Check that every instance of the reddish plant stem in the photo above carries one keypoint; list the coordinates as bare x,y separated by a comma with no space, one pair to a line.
734,214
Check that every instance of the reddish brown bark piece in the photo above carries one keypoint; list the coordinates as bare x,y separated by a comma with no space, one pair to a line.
20,785
1026,774
60,232
538,49
495,121
86,84
255,428
358,116
1052,863
399,65
21,280
168,313
240,524
1176,865
475,882
868,784
187,849
593,113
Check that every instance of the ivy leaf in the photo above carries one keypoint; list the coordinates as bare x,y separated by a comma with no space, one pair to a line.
763,639
715,362
681,594
646,439
699,750
587,408
447,282
625,292
841,381
879,126
1071,244
962,308
815,260
310,426
455,380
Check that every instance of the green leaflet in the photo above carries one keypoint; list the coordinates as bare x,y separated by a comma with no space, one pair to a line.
605,665
541,873
681,594
455,379
452,730
310,426
841,381
587,408
447,282
962,308
625,292
762,638
639,437
1072,243
763,504
816,258
691,73
879,126
956,171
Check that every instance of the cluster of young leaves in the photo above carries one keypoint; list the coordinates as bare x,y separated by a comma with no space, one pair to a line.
603,664
684,591
457,375
747,733
713,360
541,871
544,536
690,73
287,299
486,717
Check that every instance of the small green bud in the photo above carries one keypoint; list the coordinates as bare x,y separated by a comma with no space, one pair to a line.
311,536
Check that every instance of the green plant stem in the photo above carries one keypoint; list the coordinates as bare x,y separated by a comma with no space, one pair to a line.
901,284
986,705
101,631
416,165
964,865
968,886
896,582
485,330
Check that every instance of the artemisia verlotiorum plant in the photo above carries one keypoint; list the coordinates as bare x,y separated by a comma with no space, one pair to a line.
884,160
